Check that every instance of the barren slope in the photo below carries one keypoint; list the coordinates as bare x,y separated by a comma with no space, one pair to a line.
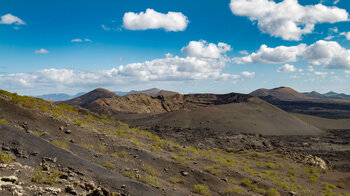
61,150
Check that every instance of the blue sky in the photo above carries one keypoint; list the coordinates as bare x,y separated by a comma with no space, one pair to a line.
75,46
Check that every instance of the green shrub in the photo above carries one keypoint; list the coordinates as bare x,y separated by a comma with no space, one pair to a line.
61,144
87,146
313,179
149,179
78,122
5,158
45,177
37,133
3,122
176,180
341,185
327,189
130,174
178,159
123,155
272,192
270,165
237,190
109,165
213,169
201,189
292,173
151,171
158,145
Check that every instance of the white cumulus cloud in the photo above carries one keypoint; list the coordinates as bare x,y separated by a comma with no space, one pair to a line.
170,69
247,74
11,19
280,54
41,51
328,53
287,68
287,19
151,19
202,49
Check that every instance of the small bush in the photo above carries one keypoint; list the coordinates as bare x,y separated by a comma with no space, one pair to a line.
123,155
176,180
270,165
3,122
245,182
5,158
149,179
327,189
272,192
178,159
313,178
201,189
45,177
341,185
78,122
61,144
158,145
151,171
213,169
87,146
130,174
237,190
109,165
37,133
292,173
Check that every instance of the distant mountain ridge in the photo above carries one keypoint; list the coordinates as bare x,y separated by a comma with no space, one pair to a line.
328,105
59,96
65,97
331,95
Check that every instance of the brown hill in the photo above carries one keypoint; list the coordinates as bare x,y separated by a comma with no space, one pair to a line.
233,112
281,93
153,92
305,103
89,97
146,104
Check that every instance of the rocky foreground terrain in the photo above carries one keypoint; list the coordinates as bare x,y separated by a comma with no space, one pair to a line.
48,149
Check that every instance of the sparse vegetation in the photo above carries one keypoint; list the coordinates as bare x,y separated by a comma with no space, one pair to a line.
109,165
87,146
45,177
78,122
123,155
151,171
176,180
213,169
61,144
313,174
3,122
5,158
272,192
237,190
270,165
341,185
201,189
37,133
327,189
